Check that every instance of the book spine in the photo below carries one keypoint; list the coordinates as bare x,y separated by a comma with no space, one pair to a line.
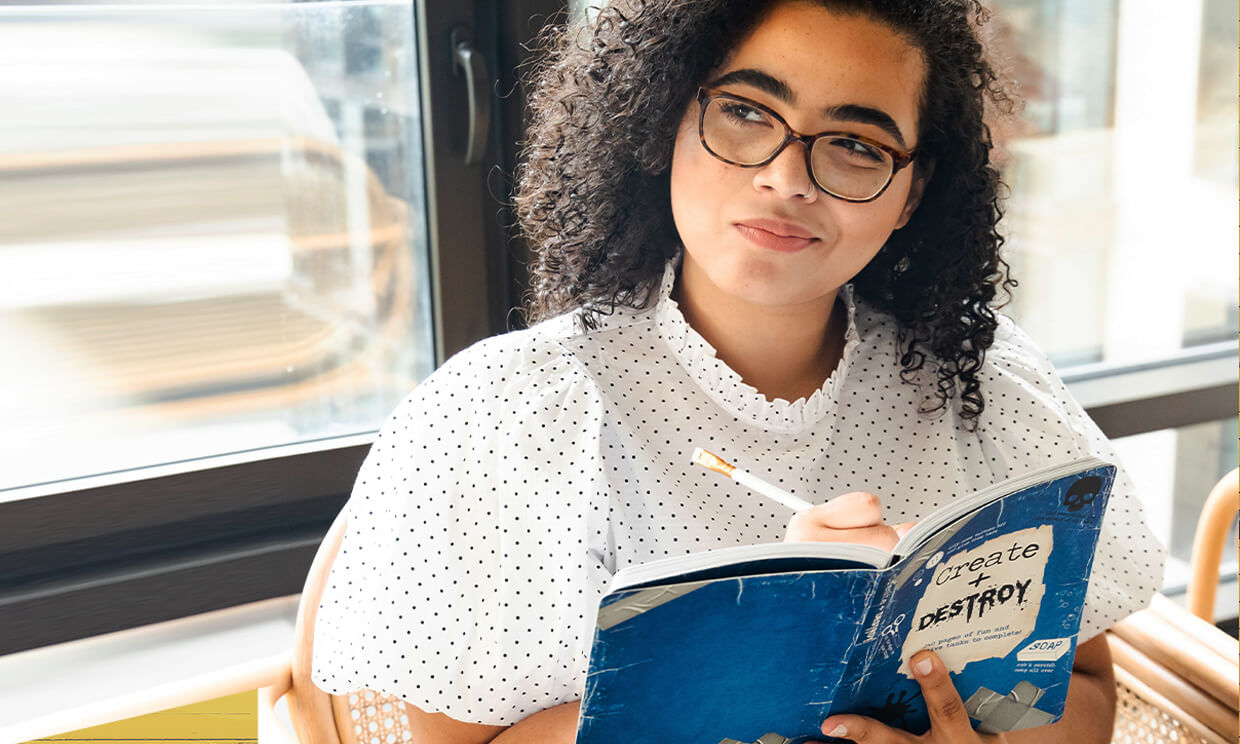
877,625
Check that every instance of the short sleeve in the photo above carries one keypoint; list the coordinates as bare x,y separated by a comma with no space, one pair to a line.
470,570
1031,420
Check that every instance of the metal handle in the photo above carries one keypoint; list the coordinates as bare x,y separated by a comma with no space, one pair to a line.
467,60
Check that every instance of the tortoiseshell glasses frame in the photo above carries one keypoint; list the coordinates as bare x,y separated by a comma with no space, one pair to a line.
896,159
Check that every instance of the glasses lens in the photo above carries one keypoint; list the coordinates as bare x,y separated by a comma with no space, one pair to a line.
850,168
736,131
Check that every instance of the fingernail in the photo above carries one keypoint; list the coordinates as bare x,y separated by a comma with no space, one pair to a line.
924,667
838,732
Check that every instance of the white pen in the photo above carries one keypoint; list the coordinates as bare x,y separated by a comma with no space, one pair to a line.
716,463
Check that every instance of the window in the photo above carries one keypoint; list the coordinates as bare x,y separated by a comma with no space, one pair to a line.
217,237
1123,176
236,235
1122,230
238,232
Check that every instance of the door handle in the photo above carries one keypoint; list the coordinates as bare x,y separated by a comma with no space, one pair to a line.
468,61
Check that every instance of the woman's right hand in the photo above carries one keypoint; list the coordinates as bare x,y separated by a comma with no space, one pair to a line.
855,517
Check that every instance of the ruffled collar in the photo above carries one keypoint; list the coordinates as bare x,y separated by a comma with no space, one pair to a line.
726,387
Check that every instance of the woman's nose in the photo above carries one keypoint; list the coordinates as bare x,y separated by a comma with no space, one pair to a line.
787,175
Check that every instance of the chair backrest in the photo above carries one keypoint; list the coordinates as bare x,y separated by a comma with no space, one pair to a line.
318,717
1212,529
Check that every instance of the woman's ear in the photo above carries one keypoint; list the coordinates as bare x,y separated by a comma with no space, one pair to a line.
921,177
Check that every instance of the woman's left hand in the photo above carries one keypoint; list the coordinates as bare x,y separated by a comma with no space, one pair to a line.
949,722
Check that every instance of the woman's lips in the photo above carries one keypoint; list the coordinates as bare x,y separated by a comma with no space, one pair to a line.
775,237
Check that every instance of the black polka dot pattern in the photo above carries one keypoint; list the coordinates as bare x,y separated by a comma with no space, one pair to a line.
501,496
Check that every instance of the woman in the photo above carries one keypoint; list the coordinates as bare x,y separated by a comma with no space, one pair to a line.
767,229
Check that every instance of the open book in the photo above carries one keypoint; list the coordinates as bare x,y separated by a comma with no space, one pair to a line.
761,643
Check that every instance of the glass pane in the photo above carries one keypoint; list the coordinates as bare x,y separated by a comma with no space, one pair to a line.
1174,470
214,236
1123,172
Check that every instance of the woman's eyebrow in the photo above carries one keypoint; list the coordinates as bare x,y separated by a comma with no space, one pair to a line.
772,85
762,81
866,115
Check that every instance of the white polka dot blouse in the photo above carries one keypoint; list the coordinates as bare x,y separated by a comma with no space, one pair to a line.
503,493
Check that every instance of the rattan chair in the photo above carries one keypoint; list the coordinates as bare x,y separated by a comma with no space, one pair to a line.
318,717
1217,517
1176,673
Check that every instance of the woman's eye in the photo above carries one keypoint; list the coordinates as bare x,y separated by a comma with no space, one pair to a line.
742,113
858,149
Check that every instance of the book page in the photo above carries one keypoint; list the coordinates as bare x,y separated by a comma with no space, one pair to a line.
751,560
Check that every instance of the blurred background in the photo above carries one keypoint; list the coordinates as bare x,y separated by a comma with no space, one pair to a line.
236,234
215,235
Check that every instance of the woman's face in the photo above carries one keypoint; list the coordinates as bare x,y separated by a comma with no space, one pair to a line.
821,72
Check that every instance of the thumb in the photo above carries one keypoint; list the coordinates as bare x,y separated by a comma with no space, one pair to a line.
903,528
849,511
948,716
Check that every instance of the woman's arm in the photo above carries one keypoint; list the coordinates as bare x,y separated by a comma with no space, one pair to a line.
1089,713
557,725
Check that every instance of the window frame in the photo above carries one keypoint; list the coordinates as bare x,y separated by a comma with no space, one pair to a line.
214,553
1195,386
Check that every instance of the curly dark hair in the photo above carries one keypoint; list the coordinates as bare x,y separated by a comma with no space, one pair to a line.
593,195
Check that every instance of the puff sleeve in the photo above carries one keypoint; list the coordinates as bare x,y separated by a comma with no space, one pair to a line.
1030,420
472,565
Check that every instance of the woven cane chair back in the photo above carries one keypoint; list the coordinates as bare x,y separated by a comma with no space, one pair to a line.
369,717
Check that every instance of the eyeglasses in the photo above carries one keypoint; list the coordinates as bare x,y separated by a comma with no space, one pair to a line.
742,132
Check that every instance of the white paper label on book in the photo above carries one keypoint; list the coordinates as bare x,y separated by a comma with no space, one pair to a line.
1049,649
982,603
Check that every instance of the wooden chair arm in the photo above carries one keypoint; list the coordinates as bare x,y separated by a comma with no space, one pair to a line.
1175,648
1170,692
271,730
1216,516
310,709
1201,631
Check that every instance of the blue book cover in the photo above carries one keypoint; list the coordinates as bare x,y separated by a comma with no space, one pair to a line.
759,644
